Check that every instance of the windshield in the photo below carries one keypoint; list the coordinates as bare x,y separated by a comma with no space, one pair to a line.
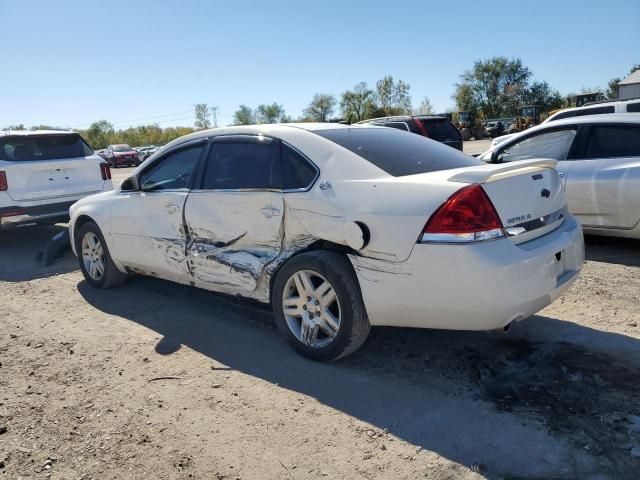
398,153
43,147
121,148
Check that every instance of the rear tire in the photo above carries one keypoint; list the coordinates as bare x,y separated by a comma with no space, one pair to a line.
326,320
95,260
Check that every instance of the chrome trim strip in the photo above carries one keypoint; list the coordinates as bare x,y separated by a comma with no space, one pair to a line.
536,223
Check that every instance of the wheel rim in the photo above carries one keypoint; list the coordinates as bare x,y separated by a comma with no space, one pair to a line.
311,308
93,256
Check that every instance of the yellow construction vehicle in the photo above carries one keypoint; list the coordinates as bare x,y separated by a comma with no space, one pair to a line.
469,126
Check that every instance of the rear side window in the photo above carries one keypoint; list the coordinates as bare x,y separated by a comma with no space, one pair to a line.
613,141
440,130
298,173
43,147
587,111
398,153
633,107
239,165
398,125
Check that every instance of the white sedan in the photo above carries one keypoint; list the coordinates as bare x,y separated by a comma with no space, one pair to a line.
339,228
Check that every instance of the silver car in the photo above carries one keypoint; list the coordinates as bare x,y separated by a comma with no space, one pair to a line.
599,164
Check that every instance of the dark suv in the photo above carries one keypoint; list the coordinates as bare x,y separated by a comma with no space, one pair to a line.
434,127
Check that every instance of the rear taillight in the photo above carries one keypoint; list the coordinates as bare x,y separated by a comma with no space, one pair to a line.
105,171
4,186
467,216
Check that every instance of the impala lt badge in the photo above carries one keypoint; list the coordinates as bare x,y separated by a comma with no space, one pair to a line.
545,193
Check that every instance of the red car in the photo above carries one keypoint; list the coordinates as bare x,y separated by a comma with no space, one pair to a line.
121,155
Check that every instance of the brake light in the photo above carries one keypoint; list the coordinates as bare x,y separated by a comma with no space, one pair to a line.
105,171
4,186
467,216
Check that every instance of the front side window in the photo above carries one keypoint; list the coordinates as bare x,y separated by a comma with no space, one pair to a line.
240,165
298,173
613,141
554,145
171,172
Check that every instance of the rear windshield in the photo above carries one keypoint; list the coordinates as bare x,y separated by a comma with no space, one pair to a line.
43,147
440,129
398,153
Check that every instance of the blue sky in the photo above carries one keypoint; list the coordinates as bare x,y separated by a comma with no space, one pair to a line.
68,63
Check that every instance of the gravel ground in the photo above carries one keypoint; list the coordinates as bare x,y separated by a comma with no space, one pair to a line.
155,380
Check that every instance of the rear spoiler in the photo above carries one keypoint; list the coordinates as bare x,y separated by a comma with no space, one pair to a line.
486,173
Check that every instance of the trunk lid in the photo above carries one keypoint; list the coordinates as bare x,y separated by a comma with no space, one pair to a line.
44,179
527,195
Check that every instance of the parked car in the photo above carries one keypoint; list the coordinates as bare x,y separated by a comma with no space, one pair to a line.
340,228
599,164
494,129
43,172
121,155
145,152
594,108
437,128
598,108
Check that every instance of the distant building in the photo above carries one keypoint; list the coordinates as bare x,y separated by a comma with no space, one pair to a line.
630,86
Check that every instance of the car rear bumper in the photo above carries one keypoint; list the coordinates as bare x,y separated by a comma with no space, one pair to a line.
479,286
19,216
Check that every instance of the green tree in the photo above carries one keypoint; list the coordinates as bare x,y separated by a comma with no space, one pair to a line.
99,134
541,93
357,104
425,107
202,116
244,116
392,98
273,113
321,107
494,87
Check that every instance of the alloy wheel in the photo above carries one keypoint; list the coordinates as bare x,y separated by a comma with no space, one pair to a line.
311,308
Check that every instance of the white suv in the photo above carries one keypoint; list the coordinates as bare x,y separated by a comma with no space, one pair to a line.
43,172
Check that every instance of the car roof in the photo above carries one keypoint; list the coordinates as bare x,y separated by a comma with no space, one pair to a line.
37,132
604,118
402,117
262,129
598,118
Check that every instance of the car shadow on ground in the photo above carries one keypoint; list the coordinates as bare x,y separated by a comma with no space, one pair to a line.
20,250
624,251
524,408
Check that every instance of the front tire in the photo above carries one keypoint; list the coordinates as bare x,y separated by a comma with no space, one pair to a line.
318,306
95,261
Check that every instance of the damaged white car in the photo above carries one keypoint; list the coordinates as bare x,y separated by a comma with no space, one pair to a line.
339,228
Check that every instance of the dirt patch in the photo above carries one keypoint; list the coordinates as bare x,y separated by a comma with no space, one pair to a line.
156,380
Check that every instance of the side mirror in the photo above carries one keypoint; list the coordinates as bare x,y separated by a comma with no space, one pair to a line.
130,185
494,156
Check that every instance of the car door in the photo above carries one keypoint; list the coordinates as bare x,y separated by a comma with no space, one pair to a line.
603,189
556,143
234,219
147,226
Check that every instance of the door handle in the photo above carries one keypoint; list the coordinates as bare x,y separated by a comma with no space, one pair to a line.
172,208
561,174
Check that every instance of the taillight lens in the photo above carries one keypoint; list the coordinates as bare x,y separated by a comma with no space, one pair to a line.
105,171
4,186
467,216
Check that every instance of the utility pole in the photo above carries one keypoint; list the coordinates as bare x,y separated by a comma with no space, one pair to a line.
214,111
